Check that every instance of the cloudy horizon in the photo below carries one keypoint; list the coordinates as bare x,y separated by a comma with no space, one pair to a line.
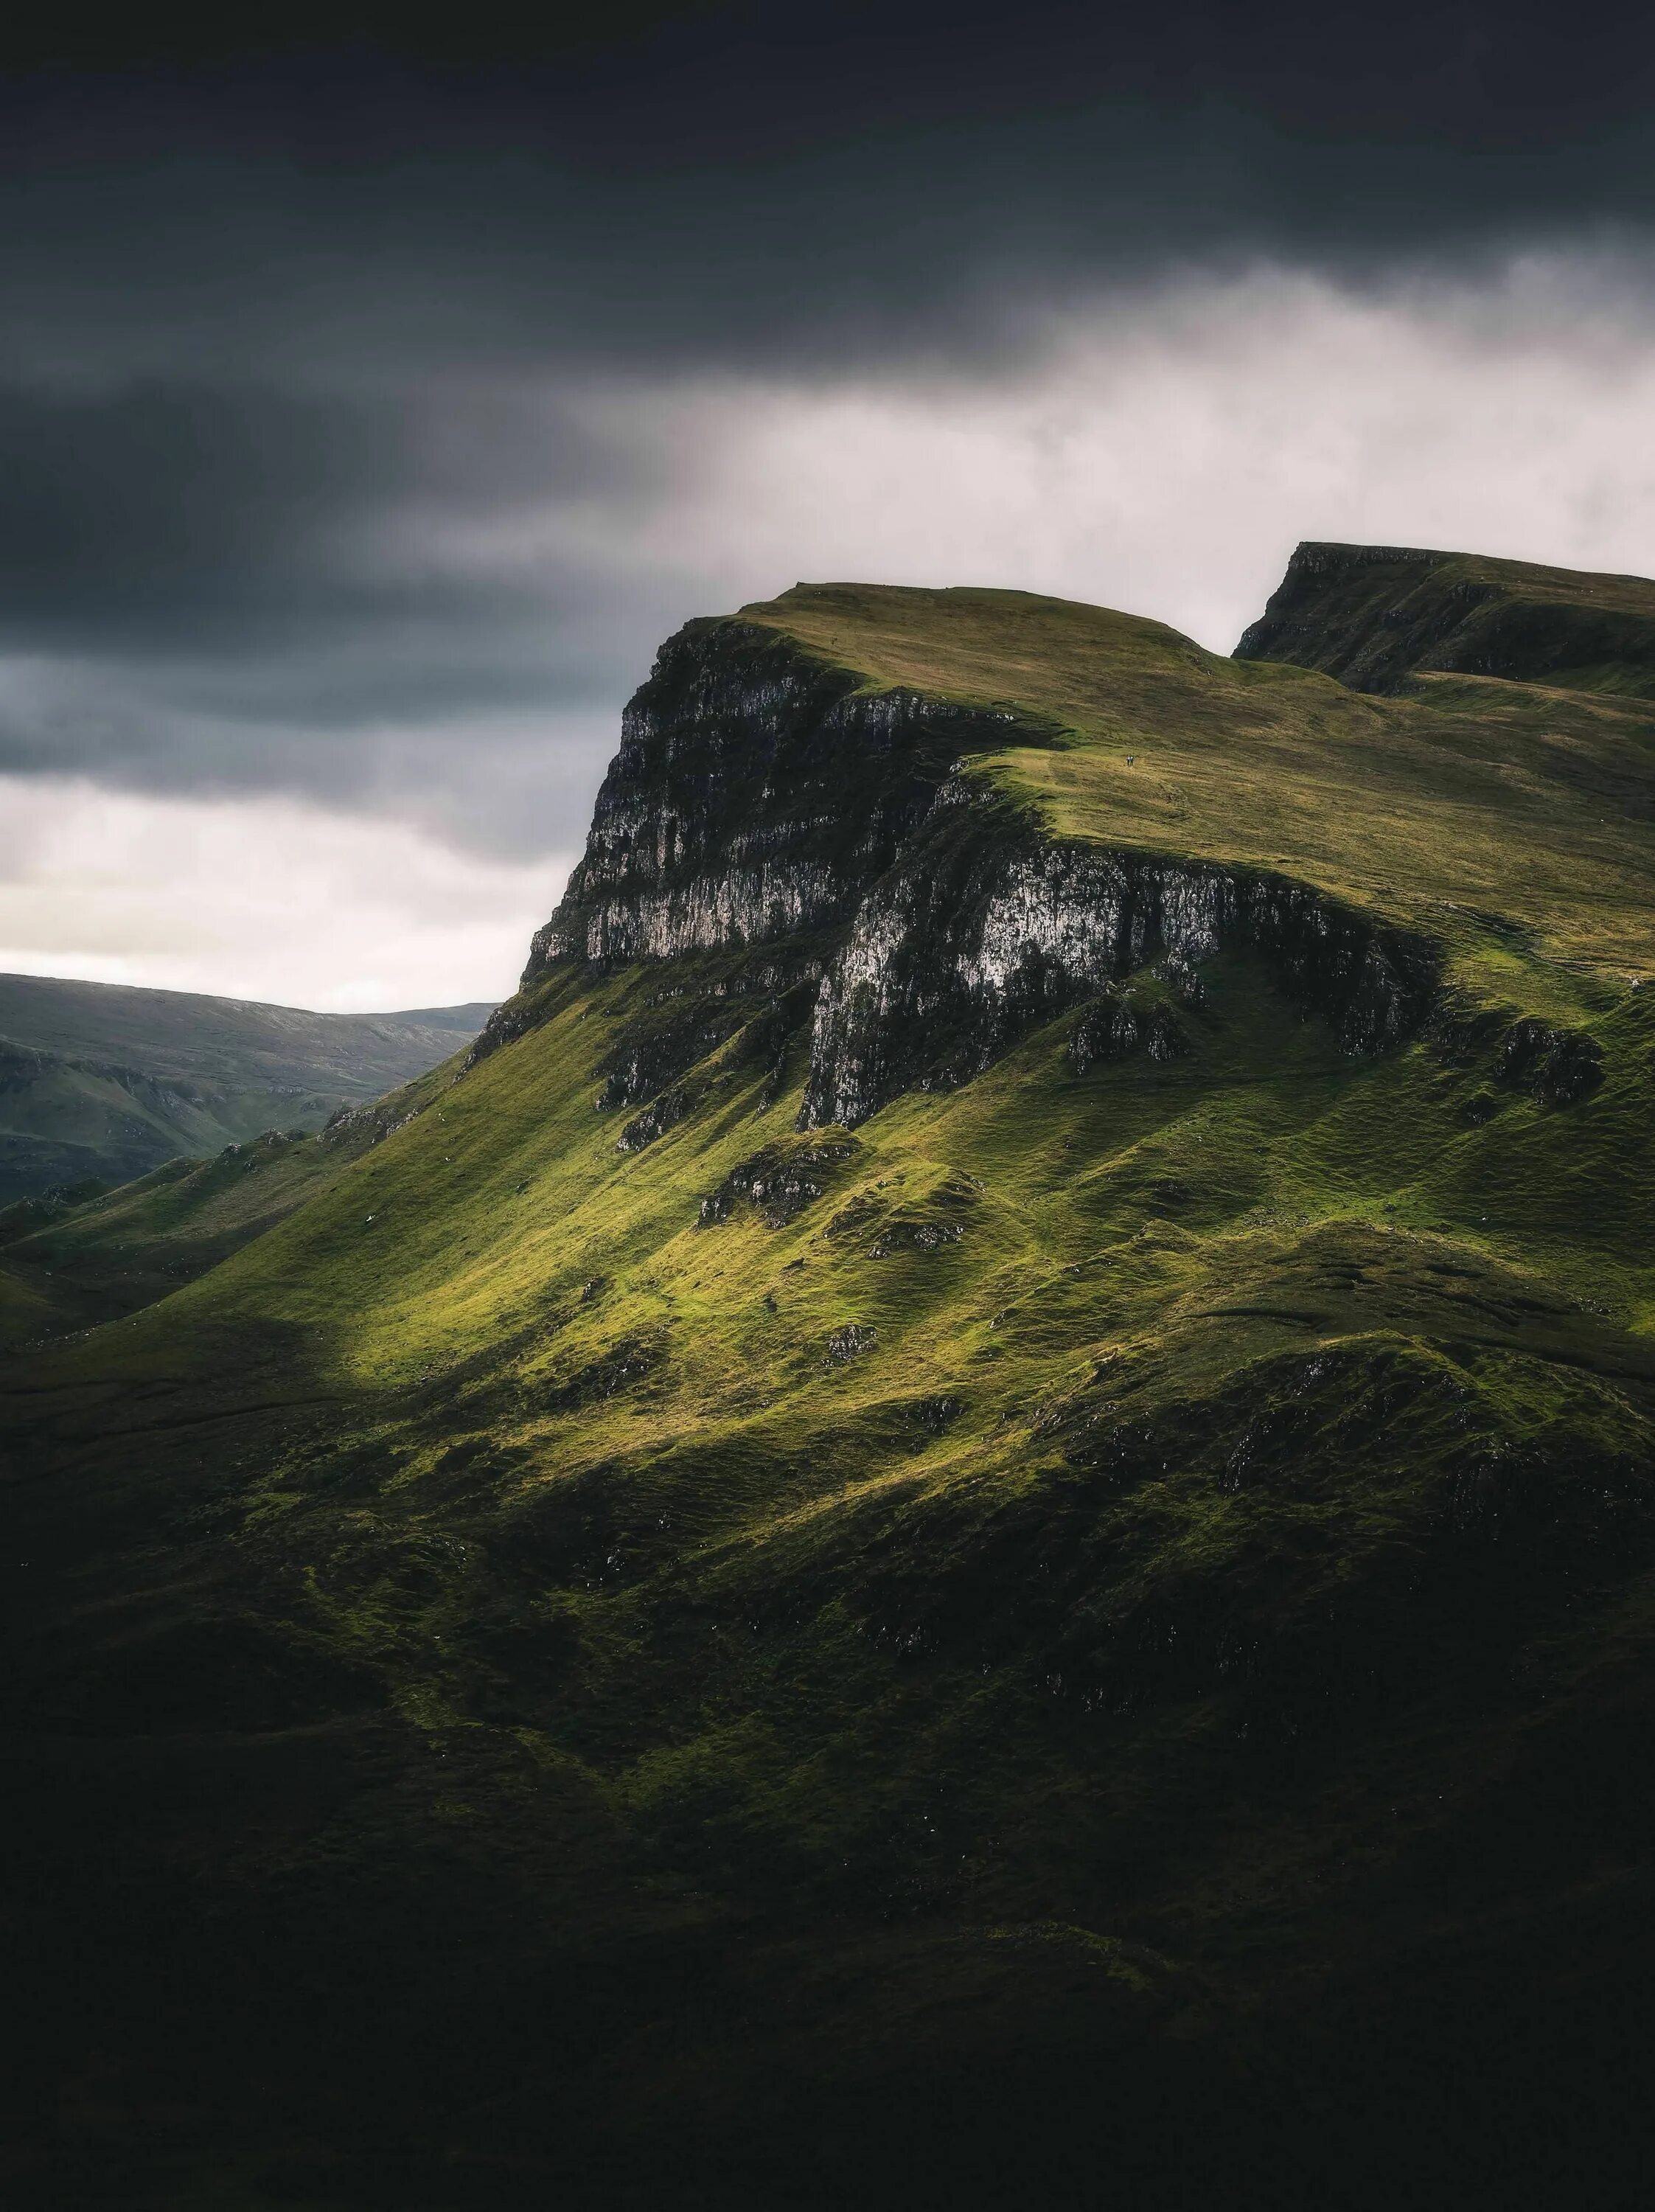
368,416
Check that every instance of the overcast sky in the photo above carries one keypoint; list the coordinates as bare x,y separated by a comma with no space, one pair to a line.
370,412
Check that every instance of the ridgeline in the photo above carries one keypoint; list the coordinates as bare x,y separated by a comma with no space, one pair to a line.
101,1083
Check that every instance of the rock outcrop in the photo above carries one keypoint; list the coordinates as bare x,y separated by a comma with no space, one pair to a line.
1112,1026
1556,1066
756,792
768,806
985,927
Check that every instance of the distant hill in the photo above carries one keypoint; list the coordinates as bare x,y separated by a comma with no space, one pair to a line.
1375,616
100,1080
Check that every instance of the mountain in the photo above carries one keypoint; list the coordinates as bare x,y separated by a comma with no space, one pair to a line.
973,1524
99,1081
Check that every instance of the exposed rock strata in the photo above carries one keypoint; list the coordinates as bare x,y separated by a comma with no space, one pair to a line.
979,933
755,793
766,810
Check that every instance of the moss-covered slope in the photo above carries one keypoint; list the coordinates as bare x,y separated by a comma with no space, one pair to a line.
83,1255
647,1645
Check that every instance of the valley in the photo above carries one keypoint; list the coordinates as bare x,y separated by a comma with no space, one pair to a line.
101,1082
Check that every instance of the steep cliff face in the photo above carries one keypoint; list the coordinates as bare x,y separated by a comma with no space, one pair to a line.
755,793
984,927
764,802
1375,615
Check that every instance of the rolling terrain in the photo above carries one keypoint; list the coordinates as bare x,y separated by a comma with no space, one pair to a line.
101,1083
967,1519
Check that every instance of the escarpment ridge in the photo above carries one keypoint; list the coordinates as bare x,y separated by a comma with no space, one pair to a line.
982,931
970,1522
830,789
756,792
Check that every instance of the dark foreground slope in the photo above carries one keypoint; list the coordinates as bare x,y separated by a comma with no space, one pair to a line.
973,1525
97,1080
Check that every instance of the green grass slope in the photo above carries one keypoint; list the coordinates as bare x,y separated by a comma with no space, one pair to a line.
1088,1640
1482,810
84,1256
102,1080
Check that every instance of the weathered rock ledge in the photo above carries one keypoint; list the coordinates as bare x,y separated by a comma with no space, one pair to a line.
755,793
985,927
763,801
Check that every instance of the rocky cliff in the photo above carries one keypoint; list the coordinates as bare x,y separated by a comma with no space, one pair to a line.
986,927
757,792
764,802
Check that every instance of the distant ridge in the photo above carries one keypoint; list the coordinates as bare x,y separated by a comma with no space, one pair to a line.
1376,616
467,1019
107,1080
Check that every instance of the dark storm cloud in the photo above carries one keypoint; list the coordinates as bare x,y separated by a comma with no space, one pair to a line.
154,516
214,585
733,182
304,333
918,245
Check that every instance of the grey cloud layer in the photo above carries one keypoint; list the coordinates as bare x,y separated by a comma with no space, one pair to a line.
337,406
230,585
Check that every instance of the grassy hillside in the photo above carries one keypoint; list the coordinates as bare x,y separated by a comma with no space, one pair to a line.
1477,808
84,1255
1375,616
100,1080
1089,1639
